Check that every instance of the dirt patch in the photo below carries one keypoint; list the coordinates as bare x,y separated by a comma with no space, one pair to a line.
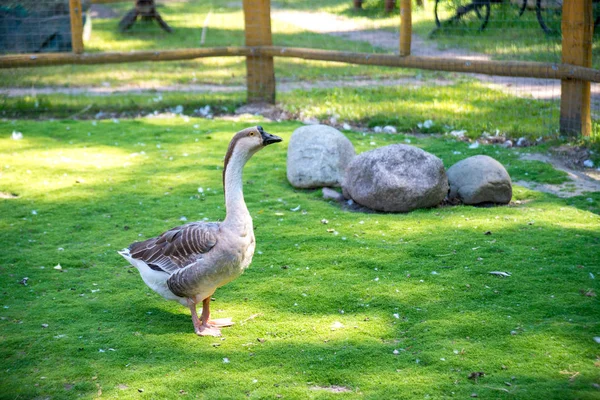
580,180
332,389
572,156
282,86
267,110
5,195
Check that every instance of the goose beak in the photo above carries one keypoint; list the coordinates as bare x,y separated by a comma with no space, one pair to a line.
267,138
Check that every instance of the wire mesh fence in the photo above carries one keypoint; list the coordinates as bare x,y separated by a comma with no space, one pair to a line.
499,30
29,26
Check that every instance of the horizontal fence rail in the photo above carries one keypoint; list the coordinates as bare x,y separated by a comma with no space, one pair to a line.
47,59
499,68
574,70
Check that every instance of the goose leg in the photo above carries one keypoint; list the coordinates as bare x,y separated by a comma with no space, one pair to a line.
201,328
217,323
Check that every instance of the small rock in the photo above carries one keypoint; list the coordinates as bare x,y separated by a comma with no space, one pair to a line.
476,375
479,179
44,325
514,333
458,134
597,339
389,129
427,124
522,142
474,145
507,144
377,129
317,157
588,164
330,194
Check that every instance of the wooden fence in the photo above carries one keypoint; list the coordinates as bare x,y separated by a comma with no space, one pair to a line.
575,71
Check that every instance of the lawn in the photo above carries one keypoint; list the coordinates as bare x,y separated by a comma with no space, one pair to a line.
465,105
379,306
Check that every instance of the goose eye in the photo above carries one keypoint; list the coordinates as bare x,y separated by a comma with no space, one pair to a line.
251,133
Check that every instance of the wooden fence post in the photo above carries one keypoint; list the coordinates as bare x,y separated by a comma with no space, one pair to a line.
260,72
76,26
405,27
577,28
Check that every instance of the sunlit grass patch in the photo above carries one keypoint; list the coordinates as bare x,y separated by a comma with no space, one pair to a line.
463,106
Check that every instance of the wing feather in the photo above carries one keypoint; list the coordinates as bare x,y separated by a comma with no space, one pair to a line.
178,247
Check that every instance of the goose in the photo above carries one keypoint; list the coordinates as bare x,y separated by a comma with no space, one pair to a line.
188,263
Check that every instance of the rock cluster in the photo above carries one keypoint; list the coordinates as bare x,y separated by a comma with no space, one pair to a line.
394,178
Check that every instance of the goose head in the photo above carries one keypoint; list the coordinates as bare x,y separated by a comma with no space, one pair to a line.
248,141
253,139
245,144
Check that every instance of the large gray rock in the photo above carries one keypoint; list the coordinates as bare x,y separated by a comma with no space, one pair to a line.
317,156
479,179
396,178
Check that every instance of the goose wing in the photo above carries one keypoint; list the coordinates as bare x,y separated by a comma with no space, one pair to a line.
177,247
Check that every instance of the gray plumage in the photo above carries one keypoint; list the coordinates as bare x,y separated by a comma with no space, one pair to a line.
189,262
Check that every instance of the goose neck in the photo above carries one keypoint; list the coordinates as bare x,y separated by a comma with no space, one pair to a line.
236,211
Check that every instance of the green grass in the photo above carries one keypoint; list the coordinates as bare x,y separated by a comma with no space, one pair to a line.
463,106
97,188
86,106
466,105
